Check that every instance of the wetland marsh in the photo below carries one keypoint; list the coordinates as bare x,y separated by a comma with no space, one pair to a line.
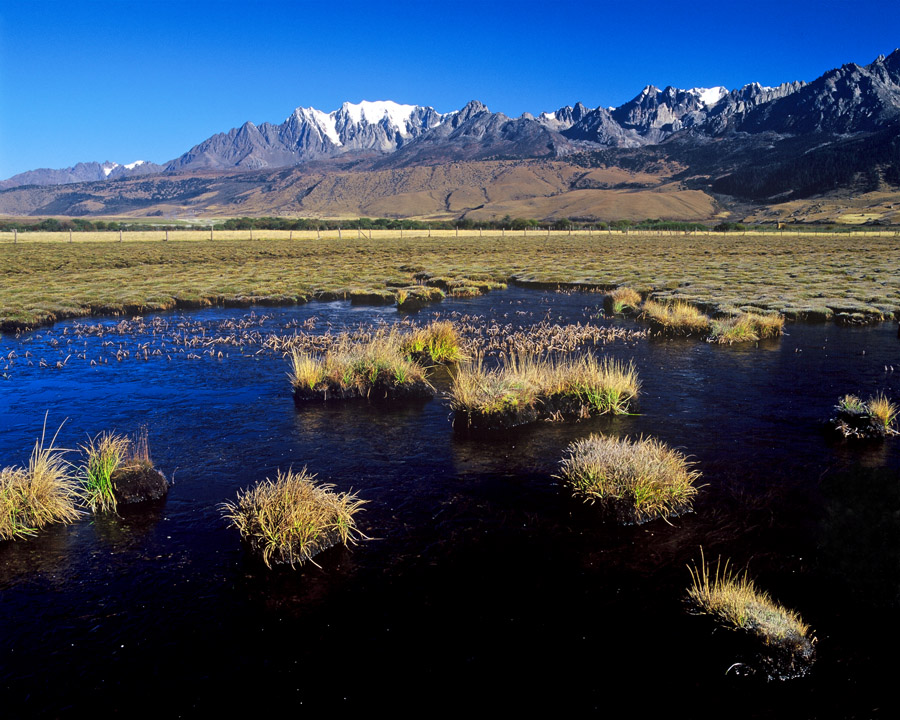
483,579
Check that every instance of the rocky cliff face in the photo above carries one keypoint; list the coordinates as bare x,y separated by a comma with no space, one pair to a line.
845,101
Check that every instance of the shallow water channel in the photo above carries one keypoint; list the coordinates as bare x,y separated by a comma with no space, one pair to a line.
484,584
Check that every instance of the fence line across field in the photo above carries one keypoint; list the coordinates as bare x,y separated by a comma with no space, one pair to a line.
258,235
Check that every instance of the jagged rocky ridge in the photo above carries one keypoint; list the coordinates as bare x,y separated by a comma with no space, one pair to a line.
849,100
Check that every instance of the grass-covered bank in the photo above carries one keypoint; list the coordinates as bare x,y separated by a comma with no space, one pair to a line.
814,277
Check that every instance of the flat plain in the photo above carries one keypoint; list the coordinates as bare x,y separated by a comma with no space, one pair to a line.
45,277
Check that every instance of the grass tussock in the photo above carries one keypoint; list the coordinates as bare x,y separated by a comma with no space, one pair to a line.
639,480
105,454
677,318
883,410
42,493
746,327
438,341
293,518
734,601
621,299
356,369
527,387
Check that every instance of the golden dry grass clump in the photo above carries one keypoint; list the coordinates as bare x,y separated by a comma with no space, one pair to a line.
638,480
377,368
525,388
883,410
677,318
291,519
746,327
42,493
622,299
733,600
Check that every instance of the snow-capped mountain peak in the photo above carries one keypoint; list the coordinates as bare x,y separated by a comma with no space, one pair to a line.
709,96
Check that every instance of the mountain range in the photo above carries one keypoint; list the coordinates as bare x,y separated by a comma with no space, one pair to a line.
752,144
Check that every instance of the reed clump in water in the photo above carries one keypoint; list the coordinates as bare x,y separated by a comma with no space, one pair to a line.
526,388
621,299
377,369
637,481
42,493
873,419
676,318
293,518
118,469
438,342
733,601
104,456
746,327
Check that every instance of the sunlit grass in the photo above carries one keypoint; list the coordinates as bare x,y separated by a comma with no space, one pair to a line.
746,327
818,276
733,600
105,454
526,387
357,368
293,518
42,493
622,299
639,480
678,318
438,341
882,409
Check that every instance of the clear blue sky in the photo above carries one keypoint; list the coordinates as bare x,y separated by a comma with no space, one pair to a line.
116,80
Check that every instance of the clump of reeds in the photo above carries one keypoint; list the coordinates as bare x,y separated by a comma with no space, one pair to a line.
746,327
42,493
438,341
525,388
734,601
364,369
621,299
679,317
873,419
293,518
637,480
882,410
106,454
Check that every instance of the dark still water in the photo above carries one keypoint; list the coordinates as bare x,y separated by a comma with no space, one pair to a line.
485,585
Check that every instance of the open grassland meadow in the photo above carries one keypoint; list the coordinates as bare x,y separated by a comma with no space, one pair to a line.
855,277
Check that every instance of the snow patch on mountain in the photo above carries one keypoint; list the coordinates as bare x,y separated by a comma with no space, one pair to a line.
374,112
709,96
